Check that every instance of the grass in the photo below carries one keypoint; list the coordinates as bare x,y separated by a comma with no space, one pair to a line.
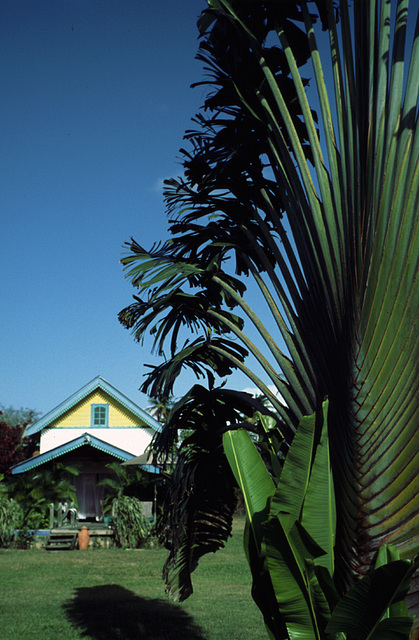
115,594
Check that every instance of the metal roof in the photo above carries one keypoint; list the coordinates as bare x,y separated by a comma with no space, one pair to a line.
90,387
83,440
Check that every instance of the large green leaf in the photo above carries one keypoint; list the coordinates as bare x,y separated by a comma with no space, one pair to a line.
319,510
305,488
393,629
287,548
304,494
294,479
360,612
389,553
257,488
251,476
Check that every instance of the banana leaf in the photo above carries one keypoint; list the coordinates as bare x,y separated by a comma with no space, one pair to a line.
277,542
257,488
360,612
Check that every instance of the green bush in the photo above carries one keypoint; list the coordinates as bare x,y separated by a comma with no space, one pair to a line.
36,490
132,529
10,519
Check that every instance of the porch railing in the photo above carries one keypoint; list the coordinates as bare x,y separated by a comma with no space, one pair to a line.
63,515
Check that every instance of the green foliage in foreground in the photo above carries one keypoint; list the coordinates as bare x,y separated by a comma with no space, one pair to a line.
293,258
118,594
290,537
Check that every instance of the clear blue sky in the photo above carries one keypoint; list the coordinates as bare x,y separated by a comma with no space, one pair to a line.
95,101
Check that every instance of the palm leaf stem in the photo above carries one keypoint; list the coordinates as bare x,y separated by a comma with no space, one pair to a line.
249,313
297,338
288,369
298,370
412,86
283,364
254,378
286,174
282,361
395,91
267,367
346,105
306,234
322,231
337,181
299,361
297,205
398,377
389,275
329,204
293,275
343,154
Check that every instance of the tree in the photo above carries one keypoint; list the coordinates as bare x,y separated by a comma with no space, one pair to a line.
14,446
160,409
318,213
23,416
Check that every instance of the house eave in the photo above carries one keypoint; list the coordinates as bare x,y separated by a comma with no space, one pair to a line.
84,440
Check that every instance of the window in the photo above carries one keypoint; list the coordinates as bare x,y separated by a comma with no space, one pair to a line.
100,413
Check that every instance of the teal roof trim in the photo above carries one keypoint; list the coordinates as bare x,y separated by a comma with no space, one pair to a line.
52,454
90,387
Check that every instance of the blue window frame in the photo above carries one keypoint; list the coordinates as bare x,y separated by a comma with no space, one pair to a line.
100,415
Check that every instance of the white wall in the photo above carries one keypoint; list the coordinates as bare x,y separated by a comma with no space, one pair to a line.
133,440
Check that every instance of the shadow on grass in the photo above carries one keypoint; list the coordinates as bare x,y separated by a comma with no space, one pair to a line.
110,612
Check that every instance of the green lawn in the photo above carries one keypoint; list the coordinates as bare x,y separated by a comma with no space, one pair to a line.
117,594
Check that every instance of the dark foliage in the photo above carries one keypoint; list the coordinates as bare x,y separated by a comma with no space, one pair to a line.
14,447
197,514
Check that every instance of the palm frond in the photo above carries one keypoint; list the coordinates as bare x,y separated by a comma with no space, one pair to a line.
319,214
198,514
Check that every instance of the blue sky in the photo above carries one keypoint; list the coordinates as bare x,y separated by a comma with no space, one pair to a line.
95,101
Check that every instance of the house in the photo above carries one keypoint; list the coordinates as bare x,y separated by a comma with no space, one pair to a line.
93,427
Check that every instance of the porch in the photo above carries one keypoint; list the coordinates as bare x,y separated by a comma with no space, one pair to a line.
65,538
65,524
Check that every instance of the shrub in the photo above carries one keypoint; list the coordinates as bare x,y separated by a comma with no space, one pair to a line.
10,519
132,529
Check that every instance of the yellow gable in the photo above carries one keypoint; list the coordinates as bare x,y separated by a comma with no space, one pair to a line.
81,414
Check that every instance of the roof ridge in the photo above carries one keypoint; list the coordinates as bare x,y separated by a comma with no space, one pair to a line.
83,392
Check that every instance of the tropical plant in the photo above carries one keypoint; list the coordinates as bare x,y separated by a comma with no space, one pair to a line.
160,409
318,211
131,527
130,481
290,546
122,501
200,498
35,490
11,516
